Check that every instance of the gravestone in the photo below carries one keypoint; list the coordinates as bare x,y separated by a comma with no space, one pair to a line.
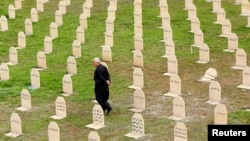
209,75
172,66
178,109
220,114
40,5
138,80
106,54
11,11
139,101
138,59
175,86
221,16
18,4
195,24
137,127
21,40
58,18
232,42
163,9
83,21
90,2
248,21
138,43
48,45
138,29
167,33
191,11
162,2
111,12
93,136
113,3
53,30
63,7
241,59
245,79
198,38
28,26
67,85
4,72
41,60
226,28
13,57
180,132
76,49
109,25
169,48
60,108
187,3
245,8
68,2
216,5
137,17
25,100
238,2
214,93
204,54
98,118
80,35
35,78
138,5
34,15
53,131
86,9
16,126
165,20
4,23
108,39
71,66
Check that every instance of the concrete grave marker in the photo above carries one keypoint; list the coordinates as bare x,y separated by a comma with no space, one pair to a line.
195,24
25,100
138,43
204,54
16,126
98,118
137,17
58,18
245,79
232,42
111,12
109,25
248,21
68,2
53,30
113,3
165,20
28,26
60,108
4,72
214,93
191,11
172,66
167,33
180,132
48,45
41,60
163,9
209,75
21,40
93,136
86,9
76,49
18,4
138,5
220,114
138,59
40,5
162,2
138,29
169,48
4,23
238,2
139,101
90,2
35,78
11,11
216,5
187,3
71,65
138,79
178,109
13,57
83,21
137,127
245,8
108,39
198,38
175,86
221,16
80,34
34,15
241,59
63,7
226,28
67,85
53,131
106,54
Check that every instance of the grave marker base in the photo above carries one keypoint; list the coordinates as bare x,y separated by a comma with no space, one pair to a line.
223,35
95,101
64,94
229,50
22,109
134,135
217,22
168,74
165,56
136,110
134,87
212,102
175,118
202,62
171,94
11,64
10,134
238,68
94,126
56,117
243,86
204,79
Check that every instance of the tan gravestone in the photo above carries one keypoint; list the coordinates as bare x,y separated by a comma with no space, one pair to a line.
137,17
4,23
220,114
245,78
204,54
28,26
41,60
53,131
241,59
172,66
16,126
11,11
60,108
25,100
21,41
83,21
13,57
245,8
175,86
232,42
226,28
209,75
163,9
58,18
216,5
90,2
35,78
167,33
34,15
113,3
111,12
187,3
53,30
98,118
138,59
138,43
137,127
178,109
63,7
86,9
67,85
68,2
198,38
40,5
108,39
214,93
71,65
221,16
139,101
162,2
238,2
191,11
169,48
48,45
138,79
93,136
180,132
110,25
18,4
165,20
138,29
195,24
4,72
137,5
106,54
80,34
76,49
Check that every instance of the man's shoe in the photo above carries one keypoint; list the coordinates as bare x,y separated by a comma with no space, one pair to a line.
108,111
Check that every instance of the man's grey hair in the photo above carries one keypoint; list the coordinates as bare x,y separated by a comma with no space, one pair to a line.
97,59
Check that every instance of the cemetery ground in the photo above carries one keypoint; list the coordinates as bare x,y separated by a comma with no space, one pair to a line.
158,127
